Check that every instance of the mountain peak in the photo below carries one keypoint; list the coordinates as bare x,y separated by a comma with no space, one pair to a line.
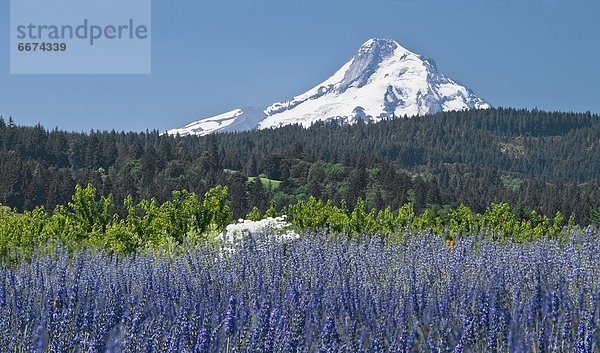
382,45
382,80
367,60
379,42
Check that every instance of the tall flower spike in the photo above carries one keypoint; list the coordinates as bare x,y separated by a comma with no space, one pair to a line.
203,343
230,317
329,337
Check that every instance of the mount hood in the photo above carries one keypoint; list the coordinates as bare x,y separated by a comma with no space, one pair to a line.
382,81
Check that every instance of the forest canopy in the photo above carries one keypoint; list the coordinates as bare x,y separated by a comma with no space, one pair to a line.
532,160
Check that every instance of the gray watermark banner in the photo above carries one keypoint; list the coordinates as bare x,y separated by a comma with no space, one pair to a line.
80,37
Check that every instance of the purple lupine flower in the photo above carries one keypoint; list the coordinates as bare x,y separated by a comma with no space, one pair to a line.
230,317
323,295
329,337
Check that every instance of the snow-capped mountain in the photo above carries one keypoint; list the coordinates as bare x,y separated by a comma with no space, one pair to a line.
383,80
235,120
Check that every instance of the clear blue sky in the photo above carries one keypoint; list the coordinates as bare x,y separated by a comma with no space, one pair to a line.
211,57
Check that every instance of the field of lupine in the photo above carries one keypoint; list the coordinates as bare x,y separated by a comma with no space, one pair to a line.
313,293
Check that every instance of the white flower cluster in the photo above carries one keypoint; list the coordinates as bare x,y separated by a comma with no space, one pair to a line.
276,229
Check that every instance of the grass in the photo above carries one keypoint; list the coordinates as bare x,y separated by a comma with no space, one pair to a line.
513,150
268,183
511,183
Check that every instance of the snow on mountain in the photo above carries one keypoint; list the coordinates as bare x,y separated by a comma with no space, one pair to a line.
235,120
383,80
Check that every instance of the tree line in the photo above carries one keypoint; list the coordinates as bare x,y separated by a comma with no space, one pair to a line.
90,221
532,160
